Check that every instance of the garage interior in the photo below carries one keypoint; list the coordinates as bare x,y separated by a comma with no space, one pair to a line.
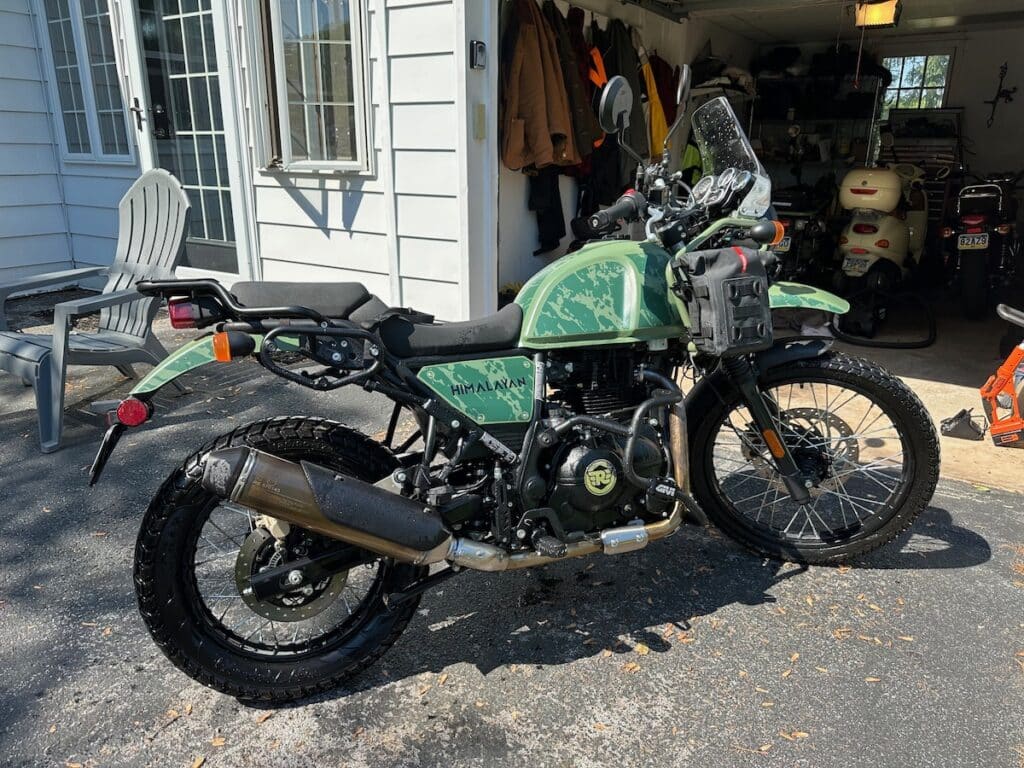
827,88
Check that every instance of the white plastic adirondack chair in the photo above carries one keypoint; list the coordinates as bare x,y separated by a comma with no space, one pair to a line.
153,222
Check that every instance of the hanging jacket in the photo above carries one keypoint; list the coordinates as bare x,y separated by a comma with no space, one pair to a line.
620,58
657,124
584,120
667,78
536,119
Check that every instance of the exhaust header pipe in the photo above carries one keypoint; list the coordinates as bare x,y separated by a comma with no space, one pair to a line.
335,505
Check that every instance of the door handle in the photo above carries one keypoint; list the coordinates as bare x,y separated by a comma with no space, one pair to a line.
138,110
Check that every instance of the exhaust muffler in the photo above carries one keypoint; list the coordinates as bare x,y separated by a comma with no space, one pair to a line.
338,506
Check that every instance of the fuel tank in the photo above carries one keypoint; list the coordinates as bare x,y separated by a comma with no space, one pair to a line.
608,292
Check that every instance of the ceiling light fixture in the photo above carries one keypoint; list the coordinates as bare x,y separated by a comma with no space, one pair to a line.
877,14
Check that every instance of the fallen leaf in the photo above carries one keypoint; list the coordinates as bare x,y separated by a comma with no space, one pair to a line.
72,765
53,728
605,653
423,689
669,631
821,669
187,709
218,741
172,715
600,726
631,666
89,624
874,607
800,734
107,631
907,638
442,679
767,703
685,638
809,600
198,762
787,673
872,679
264,716
842,633
358,731
794,657
642,649
481,704
98,534
759,689
843,569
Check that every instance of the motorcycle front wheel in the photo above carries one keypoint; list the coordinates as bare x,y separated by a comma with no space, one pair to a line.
196,552
860,434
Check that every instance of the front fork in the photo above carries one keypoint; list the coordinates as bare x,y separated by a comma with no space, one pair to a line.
743,376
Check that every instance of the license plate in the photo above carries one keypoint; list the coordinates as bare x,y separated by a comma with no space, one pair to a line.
855,266
784,245
973,242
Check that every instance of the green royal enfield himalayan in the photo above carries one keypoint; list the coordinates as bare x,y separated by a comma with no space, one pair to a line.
286,556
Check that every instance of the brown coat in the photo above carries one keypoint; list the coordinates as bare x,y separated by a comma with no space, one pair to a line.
536,120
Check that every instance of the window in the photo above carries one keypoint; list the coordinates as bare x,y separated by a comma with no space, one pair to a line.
319,102
918,82
88,88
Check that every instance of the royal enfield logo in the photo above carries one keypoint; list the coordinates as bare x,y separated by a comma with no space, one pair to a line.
599,478
493,385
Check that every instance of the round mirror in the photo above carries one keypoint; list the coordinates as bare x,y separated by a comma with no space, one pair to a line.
616,105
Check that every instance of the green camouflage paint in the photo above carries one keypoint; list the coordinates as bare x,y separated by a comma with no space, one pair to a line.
608,292
497,391
188,357
797,296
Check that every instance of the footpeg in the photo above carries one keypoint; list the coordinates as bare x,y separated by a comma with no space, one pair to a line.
549,546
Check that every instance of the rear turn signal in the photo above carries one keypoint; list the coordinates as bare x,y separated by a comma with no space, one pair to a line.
1003,229
133,412
947,232
221,348
183,313
780,233
882,244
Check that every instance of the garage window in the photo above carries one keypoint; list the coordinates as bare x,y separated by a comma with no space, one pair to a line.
93,118
918,82
317,82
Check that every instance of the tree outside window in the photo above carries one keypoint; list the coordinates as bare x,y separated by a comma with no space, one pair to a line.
918,82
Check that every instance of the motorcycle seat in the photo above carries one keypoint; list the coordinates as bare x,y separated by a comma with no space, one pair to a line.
493,333
402,331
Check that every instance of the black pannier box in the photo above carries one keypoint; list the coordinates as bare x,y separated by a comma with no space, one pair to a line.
726,294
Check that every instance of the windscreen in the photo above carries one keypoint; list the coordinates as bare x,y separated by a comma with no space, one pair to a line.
723,144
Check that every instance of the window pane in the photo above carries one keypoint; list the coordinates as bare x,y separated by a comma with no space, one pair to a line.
895,66
913,71
936,72
910,99
106,84
69,79
319,82
932,98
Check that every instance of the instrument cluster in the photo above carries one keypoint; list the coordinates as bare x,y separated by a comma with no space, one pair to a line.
722,190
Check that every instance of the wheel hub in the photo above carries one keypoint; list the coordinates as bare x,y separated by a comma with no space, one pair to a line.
261,552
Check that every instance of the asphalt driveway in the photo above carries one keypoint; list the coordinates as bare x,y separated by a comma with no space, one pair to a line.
689,653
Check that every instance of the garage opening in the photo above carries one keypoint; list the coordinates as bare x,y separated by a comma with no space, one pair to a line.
890,132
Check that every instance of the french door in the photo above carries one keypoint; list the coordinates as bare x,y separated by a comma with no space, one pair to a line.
183,100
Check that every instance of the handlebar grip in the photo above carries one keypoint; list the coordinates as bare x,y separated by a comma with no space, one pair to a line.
628,207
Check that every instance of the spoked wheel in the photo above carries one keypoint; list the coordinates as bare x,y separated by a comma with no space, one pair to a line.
859,434
196,555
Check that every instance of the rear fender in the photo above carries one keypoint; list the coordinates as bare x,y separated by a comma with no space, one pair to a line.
188,357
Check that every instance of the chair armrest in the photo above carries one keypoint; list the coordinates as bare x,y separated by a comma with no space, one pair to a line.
90,304
42,281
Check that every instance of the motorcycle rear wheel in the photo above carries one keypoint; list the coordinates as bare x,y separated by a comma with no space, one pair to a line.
188,559
864,495
974,285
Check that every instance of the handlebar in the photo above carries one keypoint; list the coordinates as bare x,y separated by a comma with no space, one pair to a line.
630,207
1011,315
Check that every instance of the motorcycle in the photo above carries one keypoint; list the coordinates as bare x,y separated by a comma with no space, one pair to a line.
987,247
287,555
803,212
884,242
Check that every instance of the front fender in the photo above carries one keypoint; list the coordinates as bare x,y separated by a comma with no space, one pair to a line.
797,296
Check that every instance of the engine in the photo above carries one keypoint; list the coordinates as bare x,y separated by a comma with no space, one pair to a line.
587,488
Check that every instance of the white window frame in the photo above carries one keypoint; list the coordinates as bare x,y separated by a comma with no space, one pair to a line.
88,88
360,47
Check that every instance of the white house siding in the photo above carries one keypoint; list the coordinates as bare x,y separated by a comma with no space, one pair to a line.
33,230
397,231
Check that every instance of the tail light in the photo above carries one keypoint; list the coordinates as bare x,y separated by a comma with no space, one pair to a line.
1004,229
133,412
183,313
865,229
866,191
975,230
947,232
786,223
844,240
882,244
859,251
973,220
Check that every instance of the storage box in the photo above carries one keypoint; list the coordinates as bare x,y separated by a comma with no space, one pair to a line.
874,189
